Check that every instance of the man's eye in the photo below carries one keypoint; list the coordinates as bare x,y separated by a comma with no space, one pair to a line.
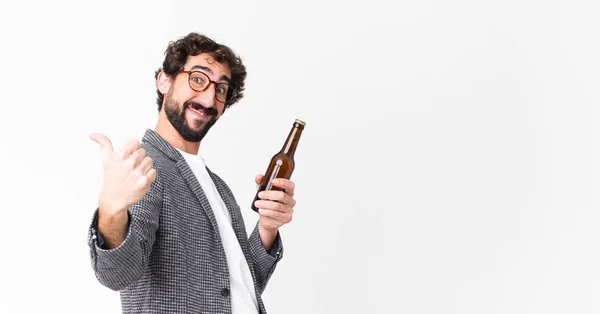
198,80
221,90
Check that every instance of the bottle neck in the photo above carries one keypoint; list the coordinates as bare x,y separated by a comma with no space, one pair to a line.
289,147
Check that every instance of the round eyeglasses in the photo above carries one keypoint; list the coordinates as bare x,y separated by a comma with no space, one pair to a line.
199,82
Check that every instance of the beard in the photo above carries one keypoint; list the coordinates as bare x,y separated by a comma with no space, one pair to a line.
176,115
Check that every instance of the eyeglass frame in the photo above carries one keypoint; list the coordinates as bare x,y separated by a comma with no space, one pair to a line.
230,88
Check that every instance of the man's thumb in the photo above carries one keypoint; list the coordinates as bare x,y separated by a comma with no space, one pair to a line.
258,179
105,144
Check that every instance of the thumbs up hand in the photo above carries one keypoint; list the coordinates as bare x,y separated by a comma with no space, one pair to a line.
128,174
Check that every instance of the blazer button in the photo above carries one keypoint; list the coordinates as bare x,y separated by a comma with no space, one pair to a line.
225,292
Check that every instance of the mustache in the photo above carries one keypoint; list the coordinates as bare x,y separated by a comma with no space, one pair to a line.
197,106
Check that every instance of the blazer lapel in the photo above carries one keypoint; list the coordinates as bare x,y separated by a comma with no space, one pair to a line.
192,181
237,220
156,140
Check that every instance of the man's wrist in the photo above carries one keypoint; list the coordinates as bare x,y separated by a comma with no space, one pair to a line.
113,227
267,231
108,216
111,208
267,236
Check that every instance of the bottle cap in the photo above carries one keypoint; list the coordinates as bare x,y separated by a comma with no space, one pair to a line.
300,122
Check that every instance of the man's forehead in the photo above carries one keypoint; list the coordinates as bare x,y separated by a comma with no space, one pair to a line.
209,61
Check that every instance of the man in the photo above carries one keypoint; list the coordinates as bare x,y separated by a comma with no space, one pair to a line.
168,233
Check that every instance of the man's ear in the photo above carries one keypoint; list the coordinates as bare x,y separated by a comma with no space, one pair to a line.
163,82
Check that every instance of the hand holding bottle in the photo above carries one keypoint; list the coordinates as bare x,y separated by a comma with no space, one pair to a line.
275,207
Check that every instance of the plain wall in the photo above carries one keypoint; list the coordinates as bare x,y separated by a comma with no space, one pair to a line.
450,162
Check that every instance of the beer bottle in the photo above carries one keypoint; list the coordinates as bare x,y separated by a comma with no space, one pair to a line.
282,163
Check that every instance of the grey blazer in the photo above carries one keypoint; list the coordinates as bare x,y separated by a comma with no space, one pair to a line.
172,260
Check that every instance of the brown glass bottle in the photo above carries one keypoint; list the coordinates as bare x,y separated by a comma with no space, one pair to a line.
282,164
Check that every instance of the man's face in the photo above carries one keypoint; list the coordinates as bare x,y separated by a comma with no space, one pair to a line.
192,113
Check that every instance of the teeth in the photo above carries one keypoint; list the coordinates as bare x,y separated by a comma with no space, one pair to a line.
198,111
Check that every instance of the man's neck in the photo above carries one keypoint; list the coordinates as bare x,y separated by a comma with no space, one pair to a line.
165,129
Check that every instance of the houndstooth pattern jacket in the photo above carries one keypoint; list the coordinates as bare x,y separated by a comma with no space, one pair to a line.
172,259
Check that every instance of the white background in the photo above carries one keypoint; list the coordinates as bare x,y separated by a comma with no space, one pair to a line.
450,162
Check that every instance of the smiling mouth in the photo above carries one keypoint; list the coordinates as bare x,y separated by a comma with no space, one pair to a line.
197,112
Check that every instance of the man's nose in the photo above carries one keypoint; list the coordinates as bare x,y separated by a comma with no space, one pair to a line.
207,97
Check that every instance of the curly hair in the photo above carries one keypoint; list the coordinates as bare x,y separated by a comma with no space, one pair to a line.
194,44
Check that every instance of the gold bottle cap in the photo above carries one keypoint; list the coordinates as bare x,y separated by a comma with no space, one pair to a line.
300,122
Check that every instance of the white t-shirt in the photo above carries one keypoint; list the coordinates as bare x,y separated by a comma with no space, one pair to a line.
243,296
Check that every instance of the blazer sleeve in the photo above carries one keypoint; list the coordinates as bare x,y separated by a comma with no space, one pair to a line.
264,262
122,266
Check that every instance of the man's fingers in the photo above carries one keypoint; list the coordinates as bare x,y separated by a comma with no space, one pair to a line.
280,217
275,205
144,181
272,205
287,185
145,165
106,147
275,195
128,148
136,158
258,179
151,175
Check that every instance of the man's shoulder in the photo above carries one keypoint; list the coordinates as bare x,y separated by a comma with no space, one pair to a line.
154,152
165,166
